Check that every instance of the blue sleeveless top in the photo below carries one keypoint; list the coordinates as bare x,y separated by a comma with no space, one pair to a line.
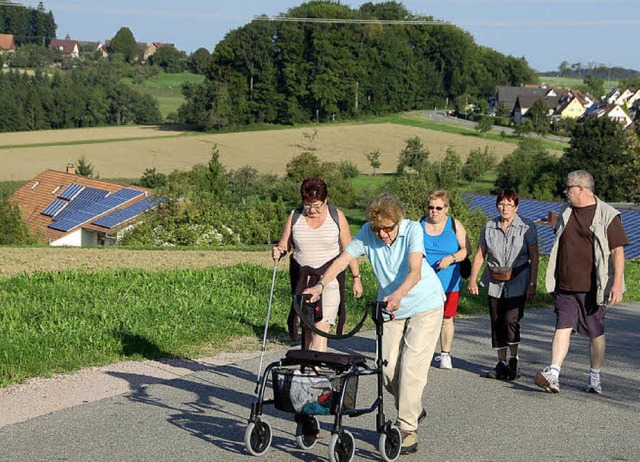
438,247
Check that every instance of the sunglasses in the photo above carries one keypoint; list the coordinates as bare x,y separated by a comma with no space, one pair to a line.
386,229
438,208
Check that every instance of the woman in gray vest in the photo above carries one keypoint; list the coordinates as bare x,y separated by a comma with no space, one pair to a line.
510,245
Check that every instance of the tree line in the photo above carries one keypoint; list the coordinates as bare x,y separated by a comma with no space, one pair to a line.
84,97
212,206
294,72
28,25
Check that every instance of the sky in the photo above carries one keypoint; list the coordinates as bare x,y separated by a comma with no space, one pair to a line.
545,32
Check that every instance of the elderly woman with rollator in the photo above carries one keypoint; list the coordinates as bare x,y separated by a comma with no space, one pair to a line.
395,248
316,233
510,245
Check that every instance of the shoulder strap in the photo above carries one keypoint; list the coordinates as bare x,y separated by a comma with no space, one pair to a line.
453,225
333,212
296,215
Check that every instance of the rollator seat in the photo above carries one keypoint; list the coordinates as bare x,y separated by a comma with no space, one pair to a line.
323,358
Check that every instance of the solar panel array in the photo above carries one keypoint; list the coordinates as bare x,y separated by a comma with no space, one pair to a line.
535,210
71,191
90,203
121,215
54,207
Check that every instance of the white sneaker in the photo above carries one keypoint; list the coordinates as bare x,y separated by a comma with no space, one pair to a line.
445,361
594,386
546,380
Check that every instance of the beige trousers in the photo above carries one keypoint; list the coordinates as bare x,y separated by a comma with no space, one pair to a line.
408,346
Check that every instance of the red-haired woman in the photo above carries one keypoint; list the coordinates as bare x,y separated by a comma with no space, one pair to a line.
316,233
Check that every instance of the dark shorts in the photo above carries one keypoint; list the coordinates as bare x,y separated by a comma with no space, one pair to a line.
451,305
580,312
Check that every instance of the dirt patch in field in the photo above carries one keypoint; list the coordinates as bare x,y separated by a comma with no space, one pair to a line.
14,261
266,151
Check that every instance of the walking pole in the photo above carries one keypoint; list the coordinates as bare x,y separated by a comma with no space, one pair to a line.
266,325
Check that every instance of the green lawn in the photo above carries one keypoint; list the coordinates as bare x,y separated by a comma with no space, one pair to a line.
573,82
167,89
412,120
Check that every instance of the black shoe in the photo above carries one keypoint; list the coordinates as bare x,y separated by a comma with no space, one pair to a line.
422,416
500,372
514,370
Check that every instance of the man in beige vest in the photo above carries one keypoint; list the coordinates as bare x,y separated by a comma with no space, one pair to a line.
585,275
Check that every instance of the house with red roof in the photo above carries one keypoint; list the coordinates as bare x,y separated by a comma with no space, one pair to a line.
7,44
65,209
66,47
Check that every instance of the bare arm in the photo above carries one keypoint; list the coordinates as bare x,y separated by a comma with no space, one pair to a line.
413,277
338,266
345,238
463,243
284,244
478,260
615,295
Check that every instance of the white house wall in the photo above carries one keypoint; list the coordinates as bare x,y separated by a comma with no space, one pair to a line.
73,239
77,238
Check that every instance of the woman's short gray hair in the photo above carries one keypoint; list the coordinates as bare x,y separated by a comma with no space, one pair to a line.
385,207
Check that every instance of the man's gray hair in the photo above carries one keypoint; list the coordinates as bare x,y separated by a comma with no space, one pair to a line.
582,178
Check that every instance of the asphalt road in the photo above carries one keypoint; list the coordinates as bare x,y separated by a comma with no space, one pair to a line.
203,416
442,117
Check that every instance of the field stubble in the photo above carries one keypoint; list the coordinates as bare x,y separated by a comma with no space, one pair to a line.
18,260
120,156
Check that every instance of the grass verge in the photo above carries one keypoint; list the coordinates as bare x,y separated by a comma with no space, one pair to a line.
61,322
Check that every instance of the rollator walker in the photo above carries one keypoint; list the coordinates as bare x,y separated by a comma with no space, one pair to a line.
308,383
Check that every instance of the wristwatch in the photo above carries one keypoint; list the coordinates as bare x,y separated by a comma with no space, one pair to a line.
453,255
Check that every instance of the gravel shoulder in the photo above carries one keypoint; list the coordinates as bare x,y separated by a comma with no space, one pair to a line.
40,396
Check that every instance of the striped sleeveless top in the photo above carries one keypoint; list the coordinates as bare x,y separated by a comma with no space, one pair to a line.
315,247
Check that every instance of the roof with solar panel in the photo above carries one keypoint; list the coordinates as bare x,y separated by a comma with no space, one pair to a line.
55,204
539,213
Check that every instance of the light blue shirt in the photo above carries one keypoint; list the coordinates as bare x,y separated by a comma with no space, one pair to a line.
390,265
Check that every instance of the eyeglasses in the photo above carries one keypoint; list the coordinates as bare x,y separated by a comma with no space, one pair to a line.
505,205
313,206
438,208
386,229
569,186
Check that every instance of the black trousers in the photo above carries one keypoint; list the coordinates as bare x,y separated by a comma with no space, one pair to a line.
506,314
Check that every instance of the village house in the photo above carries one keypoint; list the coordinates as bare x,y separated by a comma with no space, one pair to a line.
92,47
524,103
65,209
612,111
66,47
151,49
7,44
506,97
570,109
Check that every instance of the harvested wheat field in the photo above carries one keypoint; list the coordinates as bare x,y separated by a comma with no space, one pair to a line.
14,261
125,152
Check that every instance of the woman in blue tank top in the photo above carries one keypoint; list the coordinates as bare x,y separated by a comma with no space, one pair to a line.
445,243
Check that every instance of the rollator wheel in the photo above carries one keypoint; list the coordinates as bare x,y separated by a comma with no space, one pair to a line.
390,443
257,437
307,431
342,447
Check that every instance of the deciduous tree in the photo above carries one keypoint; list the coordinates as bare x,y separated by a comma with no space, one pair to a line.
124,43
599,146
